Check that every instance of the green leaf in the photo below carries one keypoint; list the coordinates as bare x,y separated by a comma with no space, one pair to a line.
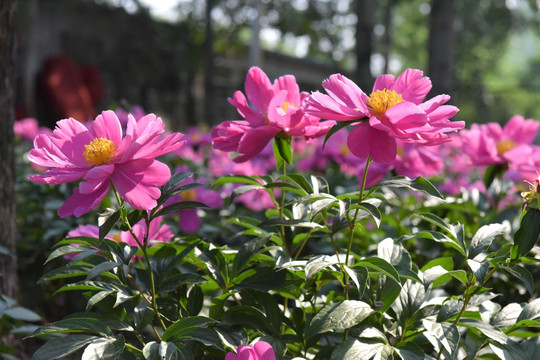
247,250
488,330
301,181
74,324
442,238
107,220
418,184
381,266
236,179
193,328
339,125
356,349
100,268
161,350
284,149
20,313
522,274
480,269
59,347
318,263
173,208
175,180
263,278
528,233
292,222
484,237
531,311
104,349
339,316
449,309
492,172
443,334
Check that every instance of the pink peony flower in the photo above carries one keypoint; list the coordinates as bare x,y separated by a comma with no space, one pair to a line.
28,129
273,109
98,154
489,144
259,351
156,233
394,110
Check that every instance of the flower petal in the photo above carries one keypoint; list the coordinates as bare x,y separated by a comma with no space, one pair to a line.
364,141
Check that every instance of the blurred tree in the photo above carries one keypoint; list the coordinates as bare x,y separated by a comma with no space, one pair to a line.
441,46
8,272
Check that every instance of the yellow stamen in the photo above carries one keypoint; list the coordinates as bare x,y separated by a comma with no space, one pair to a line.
344,150
188,195
286,105
505,145
99,151
382,100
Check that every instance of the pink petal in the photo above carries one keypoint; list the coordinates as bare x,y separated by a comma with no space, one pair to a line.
108,126
138,181
227,135
59,176
258,89
252,116
189,220
412,85
264,351
521,130
254,141
288,83
79,204
364,141
95,178
383,82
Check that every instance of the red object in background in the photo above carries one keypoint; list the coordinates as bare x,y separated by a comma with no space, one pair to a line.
72,91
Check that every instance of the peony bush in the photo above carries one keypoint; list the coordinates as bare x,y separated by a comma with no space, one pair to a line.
337,225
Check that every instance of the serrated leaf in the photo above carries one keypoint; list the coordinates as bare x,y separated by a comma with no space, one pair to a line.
484,237
58,347
339,316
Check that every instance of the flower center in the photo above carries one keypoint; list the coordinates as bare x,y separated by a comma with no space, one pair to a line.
505,145
188,195
286,105
382,100
344,149
99,151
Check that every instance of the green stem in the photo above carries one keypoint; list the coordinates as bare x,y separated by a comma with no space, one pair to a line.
353,225
133,348
143,246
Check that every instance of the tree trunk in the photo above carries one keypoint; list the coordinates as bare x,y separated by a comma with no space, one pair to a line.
441,46
209,68
8,268
364,43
